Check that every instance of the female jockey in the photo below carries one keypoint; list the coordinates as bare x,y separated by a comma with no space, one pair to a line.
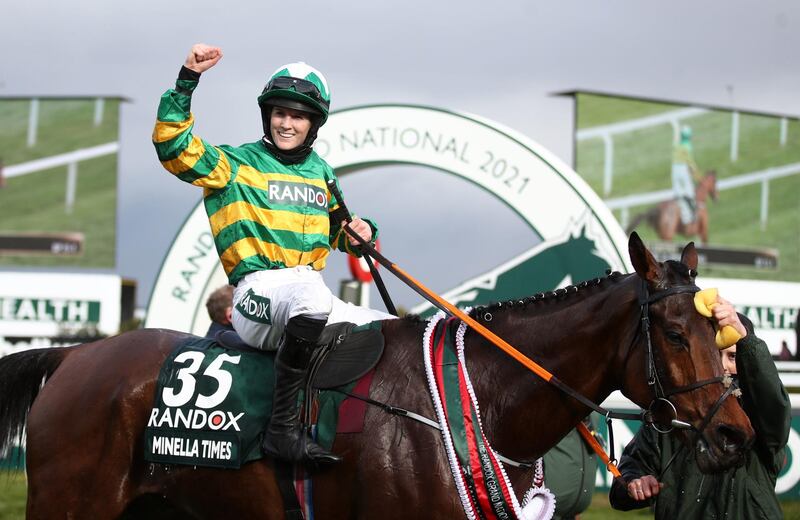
270,213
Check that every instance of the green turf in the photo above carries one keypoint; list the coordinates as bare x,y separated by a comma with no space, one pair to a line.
642,163
13,489
13,494
596,110
35,202
64,125
601,510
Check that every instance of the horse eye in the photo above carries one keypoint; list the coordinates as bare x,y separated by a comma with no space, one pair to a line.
676,338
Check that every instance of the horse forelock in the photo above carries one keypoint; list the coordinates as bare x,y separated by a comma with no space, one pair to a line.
677,273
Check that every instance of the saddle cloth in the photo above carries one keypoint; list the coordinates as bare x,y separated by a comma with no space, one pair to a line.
213,402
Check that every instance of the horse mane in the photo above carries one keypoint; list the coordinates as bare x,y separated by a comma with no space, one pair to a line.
539,298
676,268
543,297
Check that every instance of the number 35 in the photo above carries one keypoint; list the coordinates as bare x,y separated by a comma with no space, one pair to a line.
188,381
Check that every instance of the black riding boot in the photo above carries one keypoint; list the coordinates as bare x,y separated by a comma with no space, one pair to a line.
285,438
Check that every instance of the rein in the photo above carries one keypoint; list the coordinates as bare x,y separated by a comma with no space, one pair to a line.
645,416
644,300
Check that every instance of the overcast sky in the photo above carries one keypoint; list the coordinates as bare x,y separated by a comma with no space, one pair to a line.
499,60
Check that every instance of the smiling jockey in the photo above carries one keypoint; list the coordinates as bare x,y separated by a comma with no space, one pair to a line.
272,220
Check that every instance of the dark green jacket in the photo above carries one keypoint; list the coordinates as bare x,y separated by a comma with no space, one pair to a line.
570,469
747,492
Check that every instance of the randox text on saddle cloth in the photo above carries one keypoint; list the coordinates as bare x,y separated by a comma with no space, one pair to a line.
194,419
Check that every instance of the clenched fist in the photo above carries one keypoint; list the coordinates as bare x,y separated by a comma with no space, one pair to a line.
202,57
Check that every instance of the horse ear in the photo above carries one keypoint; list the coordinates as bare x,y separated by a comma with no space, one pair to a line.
643,262
689,256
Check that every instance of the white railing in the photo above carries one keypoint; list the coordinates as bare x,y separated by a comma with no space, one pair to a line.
607,132
674,117
33,118
69,159
762,176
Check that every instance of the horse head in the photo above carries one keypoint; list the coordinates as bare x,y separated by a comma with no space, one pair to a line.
684,386
707,187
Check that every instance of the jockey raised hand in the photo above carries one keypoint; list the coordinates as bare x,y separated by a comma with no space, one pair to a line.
202,57
271,216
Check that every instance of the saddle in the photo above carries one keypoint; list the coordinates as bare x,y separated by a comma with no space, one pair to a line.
345,353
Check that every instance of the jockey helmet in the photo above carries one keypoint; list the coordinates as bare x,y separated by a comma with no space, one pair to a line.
298,86
686,134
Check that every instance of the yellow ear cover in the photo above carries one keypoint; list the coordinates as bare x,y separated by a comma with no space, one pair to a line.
704,302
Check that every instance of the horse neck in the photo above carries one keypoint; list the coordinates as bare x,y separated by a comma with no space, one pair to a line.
580,338
701,191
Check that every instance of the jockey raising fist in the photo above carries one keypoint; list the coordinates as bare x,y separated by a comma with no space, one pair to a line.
202,57
269,205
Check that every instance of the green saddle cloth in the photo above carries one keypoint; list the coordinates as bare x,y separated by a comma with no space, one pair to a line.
212,405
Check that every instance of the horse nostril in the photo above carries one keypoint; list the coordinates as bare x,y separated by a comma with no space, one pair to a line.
732,439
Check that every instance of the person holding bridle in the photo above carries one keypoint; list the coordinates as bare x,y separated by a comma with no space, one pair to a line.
660,471
274,224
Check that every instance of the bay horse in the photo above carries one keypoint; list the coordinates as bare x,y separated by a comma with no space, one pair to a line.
85,423
665,218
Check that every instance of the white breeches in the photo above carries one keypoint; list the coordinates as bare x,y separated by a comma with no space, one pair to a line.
264,301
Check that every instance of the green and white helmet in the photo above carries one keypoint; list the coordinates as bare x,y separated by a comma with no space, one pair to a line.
299,86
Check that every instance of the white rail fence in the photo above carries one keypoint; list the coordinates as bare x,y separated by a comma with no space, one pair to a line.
673,118
33,118
654,197
70,160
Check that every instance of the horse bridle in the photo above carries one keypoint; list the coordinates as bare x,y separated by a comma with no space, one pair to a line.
653,380
661,396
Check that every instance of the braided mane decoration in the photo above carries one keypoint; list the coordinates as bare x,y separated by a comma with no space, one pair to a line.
481,311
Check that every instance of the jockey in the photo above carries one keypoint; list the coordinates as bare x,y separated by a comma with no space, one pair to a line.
270,214
684,175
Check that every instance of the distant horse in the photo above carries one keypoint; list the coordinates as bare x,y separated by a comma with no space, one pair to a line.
666,217
85,424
